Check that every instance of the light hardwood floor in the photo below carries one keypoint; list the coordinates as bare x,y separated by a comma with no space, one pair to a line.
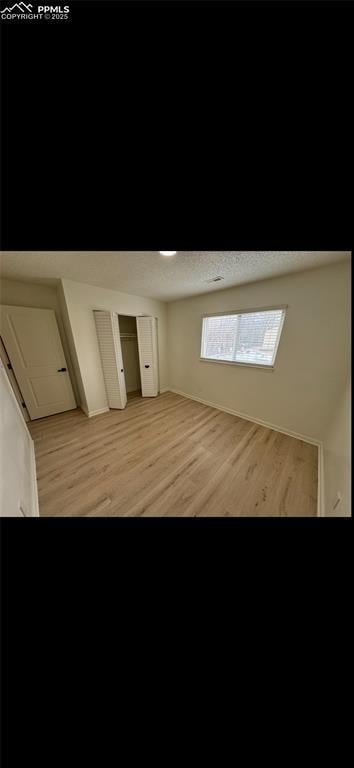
170,456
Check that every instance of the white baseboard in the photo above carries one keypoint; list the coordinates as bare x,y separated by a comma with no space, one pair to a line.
321,509
35,507
105,410
93,413
276,428
290,433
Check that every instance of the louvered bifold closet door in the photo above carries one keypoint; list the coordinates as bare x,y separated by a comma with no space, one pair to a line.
147,343
107,327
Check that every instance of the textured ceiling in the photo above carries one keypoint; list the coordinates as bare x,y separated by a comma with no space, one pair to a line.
146,273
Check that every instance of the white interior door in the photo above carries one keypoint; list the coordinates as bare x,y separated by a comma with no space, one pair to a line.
12,379
18,487
33,344
107,327
147,343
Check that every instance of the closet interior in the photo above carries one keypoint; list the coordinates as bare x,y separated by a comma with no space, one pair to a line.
130,354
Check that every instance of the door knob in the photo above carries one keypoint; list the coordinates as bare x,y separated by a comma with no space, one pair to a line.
147,366
122,370
61,370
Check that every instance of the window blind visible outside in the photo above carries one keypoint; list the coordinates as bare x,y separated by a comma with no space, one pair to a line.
247,337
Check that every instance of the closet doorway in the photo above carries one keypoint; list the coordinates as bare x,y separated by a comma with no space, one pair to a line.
130,354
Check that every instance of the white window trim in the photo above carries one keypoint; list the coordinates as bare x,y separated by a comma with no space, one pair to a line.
245,311
284,307
234,362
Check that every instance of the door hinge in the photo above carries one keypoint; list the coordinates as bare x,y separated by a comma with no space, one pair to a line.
9,366
23,405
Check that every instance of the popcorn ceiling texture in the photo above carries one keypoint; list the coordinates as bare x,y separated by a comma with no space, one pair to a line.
147,273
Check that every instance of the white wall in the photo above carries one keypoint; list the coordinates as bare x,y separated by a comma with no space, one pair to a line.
23,294
17,463
80,301
15,293
337,457
312,363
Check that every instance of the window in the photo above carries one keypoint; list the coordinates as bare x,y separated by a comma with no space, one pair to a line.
249,338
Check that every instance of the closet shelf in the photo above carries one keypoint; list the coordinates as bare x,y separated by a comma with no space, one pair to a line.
128,336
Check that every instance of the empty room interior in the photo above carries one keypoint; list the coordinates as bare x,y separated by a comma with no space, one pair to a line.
175,383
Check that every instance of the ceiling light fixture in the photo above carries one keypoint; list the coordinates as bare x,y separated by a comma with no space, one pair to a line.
168,253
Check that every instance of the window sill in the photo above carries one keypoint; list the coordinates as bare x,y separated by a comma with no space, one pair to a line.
234,362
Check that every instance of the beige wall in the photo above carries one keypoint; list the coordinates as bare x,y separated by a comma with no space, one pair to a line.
313,356
81,399
15,293
23,294
337,457
80,301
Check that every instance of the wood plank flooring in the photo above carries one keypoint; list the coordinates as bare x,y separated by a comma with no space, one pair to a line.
170,456
133,395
